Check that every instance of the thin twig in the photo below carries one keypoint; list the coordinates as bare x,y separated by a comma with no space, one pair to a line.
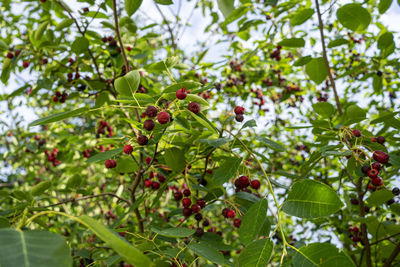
168,26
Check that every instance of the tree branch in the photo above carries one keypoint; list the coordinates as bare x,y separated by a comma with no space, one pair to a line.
168,26
363,225
392,256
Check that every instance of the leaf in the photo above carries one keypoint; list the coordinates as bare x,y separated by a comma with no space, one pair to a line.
379,197
226,7
40,30
126,165
337,42
204,121
251,123
384,5
215,142
293,42
59,116
131,6
64,24
198,99
356,113
354,17
121,246
80,45
175,87
271,144
104,155
386,44
164,2
302,61
3,46
175,159
208,253
128,84
256,254
226,170
163,65
253,220
311,199
316,70
33,249
301,16
321,255
324,109
40,188
174,232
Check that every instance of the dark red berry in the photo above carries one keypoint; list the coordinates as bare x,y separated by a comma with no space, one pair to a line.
196,208
381,156
201,202
231,214
365,169
237,222
198,217
199,232
356,133
147,183
142,140
25,64
377,181
149,125
396,191
181,93
187,212
194,107
239,118
354,201
255,184
390,202
151,111
10,55
110,163
373,173
239,110
85,9
55,98
243,181
186,202
376,166
225,212
355,229
163,117
206,223
186,192
161,178
148,160
128,149
71,60
178,195
155,185
381,140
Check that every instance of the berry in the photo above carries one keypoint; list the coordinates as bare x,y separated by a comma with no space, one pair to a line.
187,212
231,214
198,216
178,195
151,111
199,232
356,133
186,202
25,64
181,93
142,140
354,201
163,117
243,181
206,223
201,202
390,202
373,139
237,222
128,149
148,160
376,166
128,48
196,208
373,173
356,239
110,163
255,184
194,107
365,169
225,212
239,110
147,183
155,185
380,140
355,229
10,55
381,156
239,118
55,99
149,125
161,178
187,192
396,191
85,9
377,181
71,60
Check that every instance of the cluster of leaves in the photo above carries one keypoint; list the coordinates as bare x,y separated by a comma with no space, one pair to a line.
125,165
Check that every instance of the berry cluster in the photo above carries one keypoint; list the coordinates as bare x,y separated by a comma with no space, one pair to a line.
86,153
52,157
231,214
102,126
239,111
276,54
60,97
154,184
355,235
110,163
243,182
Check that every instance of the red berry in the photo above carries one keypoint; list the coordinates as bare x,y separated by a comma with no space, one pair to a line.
128,149
239,110
155,185
187,211
148,183
199,232
365,169
255,184
110,163
178,195
198,217
381,156
128,48
225,212
356,133
355,229
194,107
161,178
151,111
381,140
85,9
25,64
148,160
196,208
163,117
243,181
201,202
237,222
181,93
377,181
373,173
10,55
142,140
373,139
187,192
231,214
239,118
186,202
71,60
55,99
149,125
376,166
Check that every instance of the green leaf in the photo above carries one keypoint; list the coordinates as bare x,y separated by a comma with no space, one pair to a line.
324,109
174,232
316,70
59,116
40,188
128,84
384,5
175,87
249,124
271,144
226,7
104,155
3,46
311,199
164,2
253,220
386,44
302,61
215,142
321,255
356,113
226,170
204,121
121,246
126,165
208,252
131,6
33,249
64,24
301,16
293,42
256,254
379,197
198,99
80,45
175,159
337,42
354,17
40,30
163,65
